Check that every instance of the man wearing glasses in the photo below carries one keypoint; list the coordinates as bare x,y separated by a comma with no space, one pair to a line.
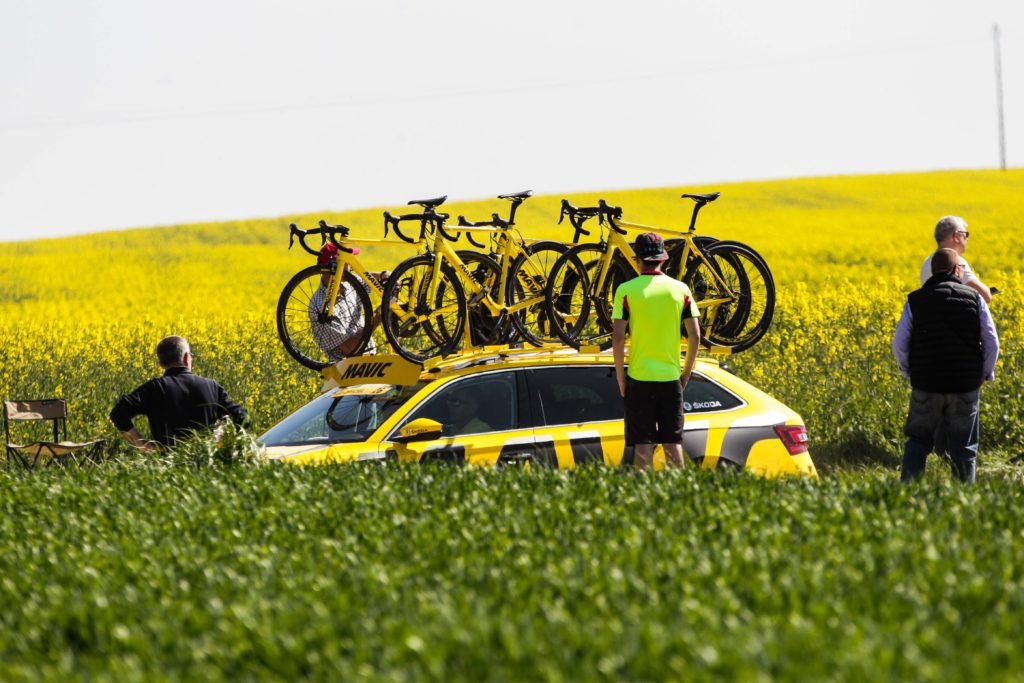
951,233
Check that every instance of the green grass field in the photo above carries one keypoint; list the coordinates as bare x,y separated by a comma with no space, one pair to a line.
402,574
204,565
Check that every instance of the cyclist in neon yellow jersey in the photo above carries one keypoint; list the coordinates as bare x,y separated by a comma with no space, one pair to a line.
650,307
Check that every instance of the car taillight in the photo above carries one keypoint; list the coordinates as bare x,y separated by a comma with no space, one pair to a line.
794,438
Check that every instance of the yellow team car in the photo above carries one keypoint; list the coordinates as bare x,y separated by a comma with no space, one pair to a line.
551,408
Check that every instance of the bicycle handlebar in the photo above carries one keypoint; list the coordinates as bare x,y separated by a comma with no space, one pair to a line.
495,222
578,215
326,232
428,216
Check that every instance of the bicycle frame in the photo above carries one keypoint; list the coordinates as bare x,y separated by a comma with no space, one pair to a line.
616,242
491,299
347,259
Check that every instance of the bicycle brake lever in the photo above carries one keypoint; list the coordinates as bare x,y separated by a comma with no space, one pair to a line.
564,211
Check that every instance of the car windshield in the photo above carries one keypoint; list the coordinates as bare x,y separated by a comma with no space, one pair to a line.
347,415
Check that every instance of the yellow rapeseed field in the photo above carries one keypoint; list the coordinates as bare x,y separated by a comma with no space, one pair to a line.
81,315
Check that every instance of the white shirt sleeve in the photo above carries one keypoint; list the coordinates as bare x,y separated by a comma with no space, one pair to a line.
968,275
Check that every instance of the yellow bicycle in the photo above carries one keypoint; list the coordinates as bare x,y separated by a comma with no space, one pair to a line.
449,299
732,284
327,311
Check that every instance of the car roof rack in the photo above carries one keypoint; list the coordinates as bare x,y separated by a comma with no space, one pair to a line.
495,354
479,356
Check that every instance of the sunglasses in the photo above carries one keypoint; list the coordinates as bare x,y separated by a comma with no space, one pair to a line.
965,233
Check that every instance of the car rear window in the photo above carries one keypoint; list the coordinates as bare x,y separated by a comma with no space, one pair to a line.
704,396
346,415
575,394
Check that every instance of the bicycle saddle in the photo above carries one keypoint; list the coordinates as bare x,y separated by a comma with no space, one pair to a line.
703,197
429,203
517,195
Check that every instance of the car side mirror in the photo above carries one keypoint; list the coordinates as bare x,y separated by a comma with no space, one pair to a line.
420,429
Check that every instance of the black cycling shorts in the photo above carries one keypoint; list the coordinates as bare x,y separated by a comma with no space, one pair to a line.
654,412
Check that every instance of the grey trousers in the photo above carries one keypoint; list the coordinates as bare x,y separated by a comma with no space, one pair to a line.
953,419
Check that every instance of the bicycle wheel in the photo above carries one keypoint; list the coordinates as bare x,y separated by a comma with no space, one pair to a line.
618,272
421,324
317,339
674,247
580,295
485,327
527,283
566,298
704,278
743,322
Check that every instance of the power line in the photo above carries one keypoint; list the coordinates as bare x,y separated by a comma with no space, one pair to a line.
672,72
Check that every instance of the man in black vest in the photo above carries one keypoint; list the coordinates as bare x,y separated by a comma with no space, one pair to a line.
177,403
946,344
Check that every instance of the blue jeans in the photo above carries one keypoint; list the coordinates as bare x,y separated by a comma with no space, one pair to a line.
953,419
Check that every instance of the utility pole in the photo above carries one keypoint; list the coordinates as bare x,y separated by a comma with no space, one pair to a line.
999,98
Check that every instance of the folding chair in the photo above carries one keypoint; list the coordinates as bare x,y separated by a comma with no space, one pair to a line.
56,452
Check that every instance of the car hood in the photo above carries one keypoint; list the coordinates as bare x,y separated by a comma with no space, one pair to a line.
323,454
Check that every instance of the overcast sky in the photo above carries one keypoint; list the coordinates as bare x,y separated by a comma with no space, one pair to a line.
131,113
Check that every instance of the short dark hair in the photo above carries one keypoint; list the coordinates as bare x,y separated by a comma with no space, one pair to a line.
171,350
944,261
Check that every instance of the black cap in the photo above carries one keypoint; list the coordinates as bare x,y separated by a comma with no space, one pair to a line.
650,247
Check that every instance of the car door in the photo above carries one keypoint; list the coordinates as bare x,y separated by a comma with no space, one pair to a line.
578,413
579,418
484,422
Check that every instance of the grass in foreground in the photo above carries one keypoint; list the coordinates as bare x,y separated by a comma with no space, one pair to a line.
141,570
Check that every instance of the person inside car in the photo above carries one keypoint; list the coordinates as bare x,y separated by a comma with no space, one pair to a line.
463,408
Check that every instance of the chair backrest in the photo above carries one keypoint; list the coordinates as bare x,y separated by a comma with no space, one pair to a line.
55,409
43,409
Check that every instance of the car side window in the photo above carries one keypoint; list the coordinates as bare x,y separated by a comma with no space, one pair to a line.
571,395
704,396
473,405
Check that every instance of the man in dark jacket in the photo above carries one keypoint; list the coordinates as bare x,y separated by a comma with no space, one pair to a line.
946,344
175,404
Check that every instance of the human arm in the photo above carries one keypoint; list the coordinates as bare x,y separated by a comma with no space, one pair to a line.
235,411
620,326
691,320
692,339
989,343
901,340
125,411
133,437
982,289
971,279
619,353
